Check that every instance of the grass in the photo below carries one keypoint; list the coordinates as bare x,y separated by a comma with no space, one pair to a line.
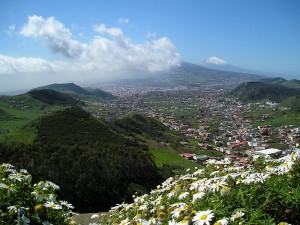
210,153
281,119
193,142
18,112
170,157
276,118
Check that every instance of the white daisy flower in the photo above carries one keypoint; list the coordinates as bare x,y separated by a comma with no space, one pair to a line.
203,217
183,195
198,195
221,222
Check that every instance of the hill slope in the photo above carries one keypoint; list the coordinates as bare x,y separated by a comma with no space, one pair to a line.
16,112
279,80
293,103
266,191
52,97
190,74
95,164
147,127
257,91
73,89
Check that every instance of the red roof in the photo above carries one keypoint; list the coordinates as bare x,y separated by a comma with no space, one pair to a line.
243,160
188,155
231,156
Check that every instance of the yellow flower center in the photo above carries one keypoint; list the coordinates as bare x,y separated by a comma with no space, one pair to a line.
225,188
186,218
186,207
203,217
38,207
217,223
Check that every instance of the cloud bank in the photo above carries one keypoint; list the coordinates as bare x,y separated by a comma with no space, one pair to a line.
109,52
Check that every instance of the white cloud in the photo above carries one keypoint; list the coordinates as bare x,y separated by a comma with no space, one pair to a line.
123,20
112,55
113,31
11,65
57,37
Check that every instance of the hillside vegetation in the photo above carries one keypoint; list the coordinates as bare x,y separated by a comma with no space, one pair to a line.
162,141
258,91
95,164
23,202
17,112
52,97
73,89
293,103
265,192
148,127
279,80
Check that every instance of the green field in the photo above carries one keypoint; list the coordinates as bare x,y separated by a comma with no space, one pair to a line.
281,119
277,117
15,115
170,157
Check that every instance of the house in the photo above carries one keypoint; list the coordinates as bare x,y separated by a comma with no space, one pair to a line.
243,161
188,156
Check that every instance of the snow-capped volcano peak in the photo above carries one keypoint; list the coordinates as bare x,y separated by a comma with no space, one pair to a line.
214,60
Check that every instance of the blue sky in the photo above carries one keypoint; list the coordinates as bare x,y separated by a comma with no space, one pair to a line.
59,41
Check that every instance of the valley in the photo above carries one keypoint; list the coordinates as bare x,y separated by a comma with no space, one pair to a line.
173,129
150,112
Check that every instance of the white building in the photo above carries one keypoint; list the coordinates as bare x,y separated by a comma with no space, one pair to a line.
269,151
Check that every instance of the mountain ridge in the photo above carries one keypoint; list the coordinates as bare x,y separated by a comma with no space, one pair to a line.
73,89
53,97
257,91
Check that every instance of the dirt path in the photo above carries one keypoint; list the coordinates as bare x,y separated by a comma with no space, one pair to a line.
84,219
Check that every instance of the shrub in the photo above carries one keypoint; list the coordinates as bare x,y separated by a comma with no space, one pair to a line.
22,202
267,191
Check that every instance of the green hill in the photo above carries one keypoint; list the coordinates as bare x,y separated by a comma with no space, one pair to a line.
279,80
160,139
93,162
4,115
148,127
292,83
100,93
271,80
257,91
52,97
73,89
70,88
16,112
76,126
293,103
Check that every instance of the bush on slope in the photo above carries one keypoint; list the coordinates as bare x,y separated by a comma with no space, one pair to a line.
265,192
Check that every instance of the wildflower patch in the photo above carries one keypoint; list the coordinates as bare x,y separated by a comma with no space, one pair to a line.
266,191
